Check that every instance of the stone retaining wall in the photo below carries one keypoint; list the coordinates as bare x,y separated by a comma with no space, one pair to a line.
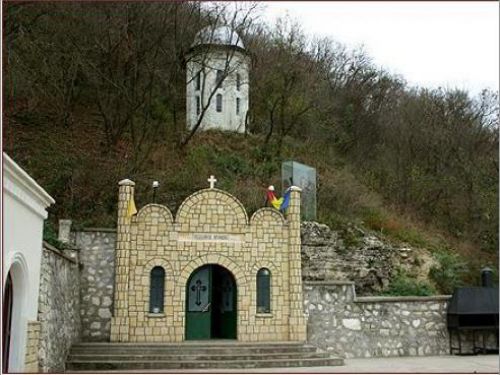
97,256
58,308
360,327
374,326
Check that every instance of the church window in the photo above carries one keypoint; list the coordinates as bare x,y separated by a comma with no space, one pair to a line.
238,81
219,78
198,105
237,106
197,81
218,103
263,291
156,291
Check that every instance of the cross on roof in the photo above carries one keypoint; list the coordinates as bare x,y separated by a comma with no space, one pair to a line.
212,181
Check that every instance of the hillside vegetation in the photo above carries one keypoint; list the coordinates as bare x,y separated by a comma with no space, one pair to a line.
95,92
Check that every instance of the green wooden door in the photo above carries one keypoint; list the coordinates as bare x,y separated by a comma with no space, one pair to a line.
198,304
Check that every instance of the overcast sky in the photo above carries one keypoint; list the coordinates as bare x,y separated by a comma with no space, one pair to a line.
447,44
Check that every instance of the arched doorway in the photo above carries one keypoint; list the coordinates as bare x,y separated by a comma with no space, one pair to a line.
211,309
6,322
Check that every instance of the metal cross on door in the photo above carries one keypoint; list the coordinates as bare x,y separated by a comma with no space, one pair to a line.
198,288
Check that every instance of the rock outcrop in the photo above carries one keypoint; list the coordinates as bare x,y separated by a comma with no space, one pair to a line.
350,254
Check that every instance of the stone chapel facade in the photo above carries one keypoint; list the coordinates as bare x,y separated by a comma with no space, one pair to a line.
204,273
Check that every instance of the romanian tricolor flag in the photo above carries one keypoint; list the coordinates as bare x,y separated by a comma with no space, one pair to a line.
281,203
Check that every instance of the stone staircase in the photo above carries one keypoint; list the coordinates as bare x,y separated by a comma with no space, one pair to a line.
223,354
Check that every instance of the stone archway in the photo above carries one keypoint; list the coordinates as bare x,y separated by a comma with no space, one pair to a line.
211,304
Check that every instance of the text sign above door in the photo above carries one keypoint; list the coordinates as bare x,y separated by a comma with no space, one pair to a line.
210,237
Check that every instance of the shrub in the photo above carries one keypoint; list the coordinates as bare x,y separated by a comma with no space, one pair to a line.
233,164
50,235
403,284
448,275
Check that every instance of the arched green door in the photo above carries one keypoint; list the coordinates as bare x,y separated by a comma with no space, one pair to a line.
211,311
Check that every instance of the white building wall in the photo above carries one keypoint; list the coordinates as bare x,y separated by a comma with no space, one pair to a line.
24,210
215,60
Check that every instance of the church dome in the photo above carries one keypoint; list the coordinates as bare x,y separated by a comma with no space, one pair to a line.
222,35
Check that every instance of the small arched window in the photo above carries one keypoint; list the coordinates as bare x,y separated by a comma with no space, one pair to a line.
156,291
198,105
238,81
218,103
197,81
237,106
219,78
263,291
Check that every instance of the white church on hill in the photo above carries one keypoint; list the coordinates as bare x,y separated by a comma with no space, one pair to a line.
217,81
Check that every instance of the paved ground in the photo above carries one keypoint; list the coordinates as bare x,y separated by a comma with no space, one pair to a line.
480,364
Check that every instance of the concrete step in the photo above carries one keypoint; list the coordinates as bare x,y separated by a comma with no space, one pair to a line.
158,365
191,344
195,355
188,349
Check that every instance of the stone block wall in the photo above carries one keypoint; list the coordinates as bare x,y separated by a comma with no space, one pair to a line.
31,363
58,308
362,327
97,257
374,326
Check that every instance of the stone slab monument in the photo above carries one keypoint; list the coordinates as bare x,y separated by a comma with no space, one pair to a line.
303,176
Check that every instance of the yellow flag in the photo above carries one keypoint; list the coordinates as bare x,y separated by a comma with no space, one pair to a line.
277,203
131,210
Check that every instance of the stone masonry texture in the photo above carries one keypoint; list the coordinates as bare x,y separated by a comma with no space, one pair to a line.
58,308
377,326
31,363
181,245
97,256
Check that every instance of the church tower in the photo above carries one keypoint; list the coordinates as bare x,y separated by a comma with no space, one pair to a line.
217,81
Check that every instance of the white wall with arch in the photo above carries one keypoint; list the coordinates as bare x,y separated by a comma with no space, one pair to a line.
25,206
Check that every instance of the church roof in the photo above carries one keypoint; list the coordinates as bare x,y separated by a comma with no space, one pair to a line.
222,35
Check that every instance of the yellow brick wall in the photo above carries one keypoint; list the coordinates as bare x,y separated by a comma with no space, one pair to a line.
32,343
211,227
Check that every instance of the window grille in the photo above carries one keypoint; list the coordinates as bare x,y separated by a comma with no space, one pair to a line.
157,289
263,291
